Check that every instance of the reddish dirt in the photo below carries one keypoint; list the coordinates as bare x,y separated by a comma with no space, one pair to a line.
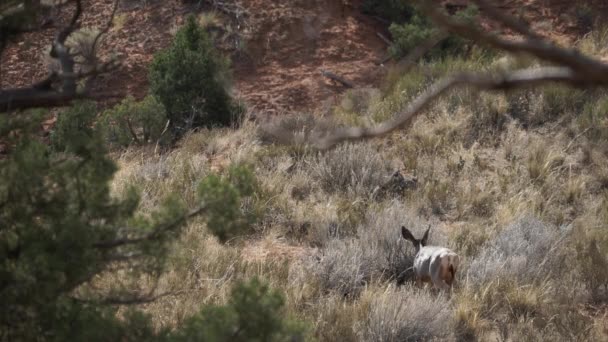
288,43
294,40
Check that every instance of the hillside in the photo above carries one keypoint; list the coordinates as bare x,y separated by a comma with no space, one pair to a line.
281,47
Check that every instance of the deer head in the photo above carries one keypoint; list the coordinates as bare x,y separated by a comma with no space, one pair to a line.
418,243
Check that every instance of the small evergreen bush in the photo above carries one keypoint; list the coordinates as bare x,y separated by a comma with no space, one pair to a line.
190,79
253,313
397,11
418,29
74,125
223,197
134,121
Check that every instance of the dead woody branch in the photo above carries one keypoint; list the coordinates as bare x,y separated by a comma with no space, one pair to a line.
336,78
60,87
570,67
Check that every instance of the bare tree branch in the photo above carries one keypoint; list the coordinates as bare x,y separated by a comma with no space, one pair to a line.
128,300
154,235
594,70
43,93
36,98
132,131
572,68
63,34
107,27
384,39
513,79
334,77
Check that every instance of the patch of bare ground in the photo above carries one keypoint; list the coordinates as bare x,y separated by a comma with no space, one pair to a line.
292,41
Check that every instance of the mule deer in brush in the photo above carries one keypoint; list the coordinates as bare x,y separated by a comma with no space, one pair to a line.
436,265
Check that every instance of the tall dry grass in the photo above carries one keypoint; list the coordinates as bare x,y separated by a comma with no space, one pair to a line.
515,183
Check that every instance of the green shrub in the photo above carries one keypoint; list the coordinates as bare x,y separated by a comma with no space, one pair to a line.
62,232
134,121
585,17
74,126
223,197
190,80
253,313
391,10
418,29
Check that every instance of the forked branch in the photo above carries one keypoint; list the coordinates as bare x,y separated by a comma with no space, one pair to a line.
514,79
59,88
571,67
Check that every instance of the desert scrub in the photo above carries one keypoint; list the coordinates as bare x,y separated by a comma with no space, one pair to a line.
526,251
400,89
156,177
549,103
406,314
355,106
542,162
350,168
469,238
438,195
594,119
377,253
489,114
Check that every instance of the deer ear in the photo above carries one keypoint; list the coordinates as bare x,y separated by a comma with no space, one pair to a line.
425,237
407,235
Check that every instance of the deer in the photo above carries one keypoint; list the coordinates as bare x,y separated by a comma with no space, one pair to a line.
432,264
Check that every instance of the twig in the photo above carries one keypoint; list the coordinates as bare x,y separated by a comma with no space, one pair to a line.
517,78
128,300
132,131
385,59
489,8
152,235
384,39
575,138
43,94
161,135
337,78
573,68
106,28
595,71
63,34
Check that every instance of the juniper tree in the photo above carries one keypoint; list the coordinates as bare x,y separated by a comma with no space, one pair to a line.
60,228
190,79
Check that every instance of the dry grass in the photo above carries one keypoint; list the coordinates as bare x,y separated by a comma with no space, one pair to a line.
355,169
526,250
406,314
515,183
378,253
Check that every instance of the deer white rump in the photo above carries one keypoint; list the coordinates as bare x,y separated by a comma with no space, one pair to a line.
436,265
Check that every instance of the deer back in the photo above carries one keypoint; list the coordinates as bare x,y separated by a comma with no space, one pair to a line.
433,261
